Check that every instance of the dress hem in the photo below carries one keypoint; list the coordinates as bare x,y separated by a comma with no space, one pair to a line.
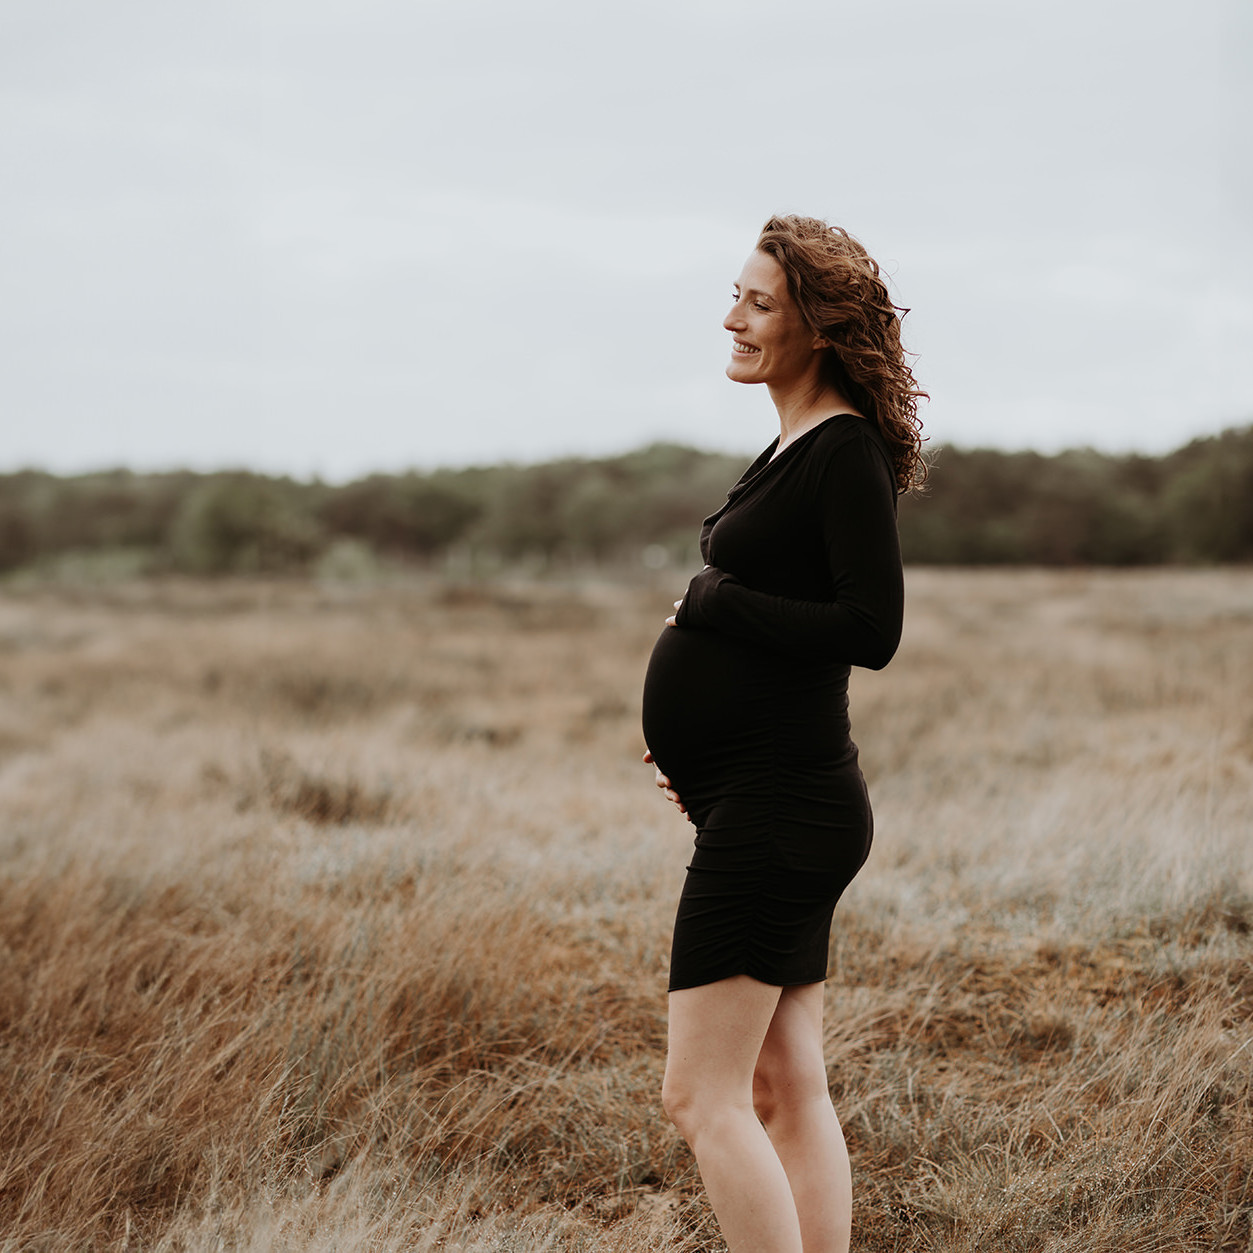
770,983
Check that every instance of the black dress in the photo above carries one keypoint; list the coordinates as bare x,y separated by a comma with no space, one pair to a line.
746,702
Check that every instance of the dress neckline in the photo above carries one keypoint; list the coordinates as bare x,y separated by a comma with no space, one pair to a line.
767,458
774,456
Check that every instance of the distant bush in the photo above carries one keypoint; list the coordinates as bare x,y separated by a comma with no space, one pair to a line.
243,523
983,507
407,515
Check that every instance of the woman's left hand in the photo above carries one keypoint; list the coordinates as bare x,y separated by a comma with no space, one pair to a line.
664,783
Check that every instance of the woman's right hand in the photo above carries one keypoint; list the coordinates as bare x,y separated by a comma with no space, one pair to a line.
667,791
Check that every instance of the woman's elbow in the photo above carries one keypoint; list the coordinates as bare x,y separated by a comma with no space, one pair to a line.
877,661
878,649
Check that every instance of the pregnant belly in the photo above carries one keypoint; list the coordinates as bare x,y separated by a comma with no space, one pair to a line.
720,715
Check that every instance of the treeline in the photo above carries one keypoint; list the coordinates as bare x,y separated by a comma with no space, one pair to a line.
1194,505
1191,506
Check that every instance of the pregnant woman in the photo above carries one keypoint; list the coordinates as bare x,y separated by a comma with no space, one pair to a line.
746,721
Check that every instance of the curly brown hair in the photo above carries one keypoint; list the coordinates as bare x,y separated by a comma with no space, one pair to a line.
836,285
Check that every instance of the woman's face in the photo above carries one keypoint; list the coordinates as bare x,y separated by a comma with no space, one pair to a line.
771,342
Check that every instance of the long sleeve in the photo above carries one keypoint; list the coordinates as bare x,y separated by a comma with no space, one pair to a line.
861,625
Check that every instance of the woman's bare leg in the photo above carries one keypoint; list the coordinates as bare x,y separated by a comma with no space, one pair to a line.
793,1101
716,1034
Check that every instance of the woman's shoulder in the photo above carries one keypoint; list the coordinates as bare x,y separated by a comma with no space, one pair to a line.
842,427
849,430
849,444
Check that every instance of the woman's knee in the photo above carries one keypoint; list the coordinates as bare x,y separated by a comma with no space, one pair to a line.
765,1102
678,1099
694,1104
785,1082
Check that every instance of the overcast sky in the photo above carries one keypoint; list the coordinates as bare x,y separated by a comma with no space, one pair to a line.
335,236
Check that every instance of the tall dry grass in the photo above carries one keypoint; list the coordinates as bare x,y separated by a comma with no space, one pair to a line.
337,919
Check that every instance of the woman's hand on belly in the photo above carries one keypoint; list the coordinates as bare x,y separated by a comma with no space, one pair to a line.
664,783
673,619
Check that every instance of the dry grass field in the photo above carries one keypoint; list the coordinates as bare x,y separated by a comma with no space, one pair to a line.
336,918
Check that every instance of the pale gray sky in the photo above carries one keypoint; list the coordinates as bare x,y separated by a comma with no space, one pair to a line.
333,236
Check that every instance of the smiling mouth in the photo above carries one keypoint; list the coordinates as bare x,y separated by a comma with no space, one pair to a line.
743,349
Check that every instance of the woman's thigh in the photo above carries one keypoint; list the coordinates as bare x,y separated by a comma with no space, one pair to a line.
790,1062
716,1034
